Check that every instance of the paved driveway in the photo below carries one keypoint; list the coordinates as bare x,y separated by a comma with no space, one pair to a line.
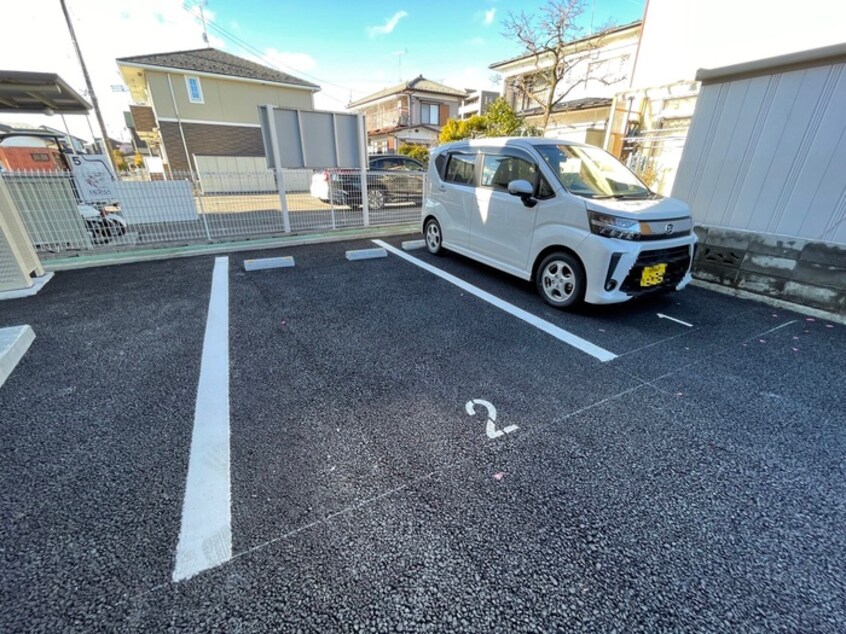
402,454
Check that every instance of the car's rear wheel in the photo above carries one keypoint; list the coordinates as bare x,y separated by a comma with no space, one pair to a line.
375,199
561,280
434,236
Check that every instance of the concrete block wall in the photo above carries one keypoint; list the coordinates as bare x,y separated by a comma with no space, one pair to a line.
800,271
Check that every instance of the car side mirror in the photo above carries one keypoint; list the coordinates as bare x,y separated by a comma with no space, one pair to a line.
525,190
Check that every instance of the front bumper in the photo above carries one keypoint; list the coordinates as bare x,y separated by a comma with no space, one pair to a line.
614,267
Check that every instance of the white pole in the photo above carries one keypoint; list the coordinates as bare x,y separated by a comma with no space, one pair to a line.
200,194
330,172
179,124
70,138
362,156
91,94
280,178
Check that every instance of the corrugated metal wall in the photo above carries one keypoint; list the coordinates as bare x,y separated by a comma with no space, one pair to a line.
768,154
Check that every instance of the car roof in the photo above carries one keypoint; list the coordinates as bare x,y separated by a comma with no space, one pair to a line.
519,141
374,157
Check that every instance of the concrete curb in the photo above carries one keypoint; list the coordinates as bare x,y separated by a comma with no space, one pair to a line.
37,284
14,342
366,254
263,264
771,301
187,251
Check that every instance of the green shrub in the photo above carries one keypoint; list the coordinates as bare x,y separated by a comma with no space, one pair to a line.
412,150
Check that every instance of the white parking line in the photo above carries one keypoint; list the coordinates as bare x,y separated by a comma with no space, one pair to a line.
541,324
205,539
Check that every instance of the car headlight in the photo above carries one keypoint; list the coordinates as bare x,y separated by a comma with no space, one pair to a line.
614,226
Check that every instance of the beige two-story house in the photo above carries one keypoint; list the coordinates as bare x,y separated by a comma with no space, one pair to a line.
411,112
192,105
597,67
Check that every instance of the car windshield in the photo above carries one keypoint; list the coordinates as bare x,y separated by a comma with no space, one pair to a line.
591,172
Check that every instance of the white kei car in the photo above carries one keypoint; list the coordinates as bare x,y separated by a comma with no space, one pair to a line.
569,216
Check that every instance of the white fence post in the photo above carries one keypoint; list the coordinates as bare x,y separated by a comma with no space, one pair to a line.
331,199
362,153
198,186
280,178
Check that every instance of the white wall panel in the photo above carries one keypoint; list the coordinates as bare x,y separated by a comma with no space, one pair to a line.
768,154
245,174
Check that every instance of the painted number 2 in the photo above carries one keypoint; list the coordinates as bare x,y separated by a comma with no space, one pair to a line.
492,430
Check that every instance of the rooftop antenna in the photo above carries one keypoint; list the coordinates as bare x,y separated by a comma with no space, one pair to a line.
399,55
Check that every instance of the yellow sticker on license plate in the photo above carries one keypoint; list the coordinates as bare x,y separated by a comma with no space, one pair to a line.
653,275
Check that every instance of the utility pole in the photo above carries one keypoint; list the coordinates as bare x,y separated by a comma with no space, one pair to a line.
200,5
90,87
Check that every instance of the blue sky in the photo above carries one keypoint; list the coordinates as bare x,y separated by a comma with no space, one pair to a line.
354,45
347,47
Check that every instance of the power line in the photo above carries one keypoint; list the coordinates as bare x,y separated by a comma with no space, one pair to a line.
261,55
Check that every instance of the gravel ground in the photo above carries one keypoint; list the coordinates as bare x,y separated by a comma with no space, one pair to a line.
695,483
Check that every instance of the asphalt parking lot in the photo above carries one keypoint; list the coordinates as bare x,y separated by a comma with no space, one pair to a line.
695,481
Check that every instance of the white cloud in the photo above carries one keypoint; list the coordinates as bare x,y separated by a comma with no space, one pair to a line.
488,18
477,78
388,27
287,61
105,29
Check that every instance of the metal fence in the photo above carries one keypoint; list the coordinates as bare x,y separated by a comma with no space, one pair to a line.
210,207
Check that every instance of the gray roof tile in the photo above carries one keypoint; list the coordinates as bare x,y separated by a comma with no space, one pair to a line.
211,60
418,84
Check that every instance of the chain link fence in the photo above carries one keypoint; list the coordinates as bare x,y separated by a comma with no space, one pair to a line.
191,208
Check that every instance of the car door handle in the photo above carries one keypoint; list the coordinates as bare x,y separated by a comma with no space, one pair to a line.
442,188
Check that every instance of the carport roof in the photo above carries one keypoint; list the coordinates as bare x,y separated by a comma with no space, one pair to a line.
24,91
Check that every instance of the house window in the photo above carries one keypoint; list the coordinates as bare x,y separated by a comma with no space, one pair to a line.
429,113
40,157
609,71
195,91
378,146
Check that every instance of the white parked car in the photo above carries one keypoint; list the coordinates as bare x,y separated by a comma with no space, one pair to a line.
569,216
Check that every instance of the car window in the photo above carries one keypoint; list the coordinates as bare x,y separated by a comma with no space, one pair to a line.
391,164
376,165
461,169
440,163
544,189
411,166
498,171
591,172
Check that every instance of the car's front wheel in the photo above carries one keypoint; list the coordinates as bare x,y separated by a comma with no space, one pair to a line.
561,280
434,236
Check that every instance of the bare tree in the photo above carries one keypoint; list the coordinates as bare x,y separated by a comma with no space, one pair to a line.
556,46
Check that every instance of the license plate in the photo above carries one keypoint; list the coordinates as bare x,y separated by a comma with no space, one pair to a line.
653,275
